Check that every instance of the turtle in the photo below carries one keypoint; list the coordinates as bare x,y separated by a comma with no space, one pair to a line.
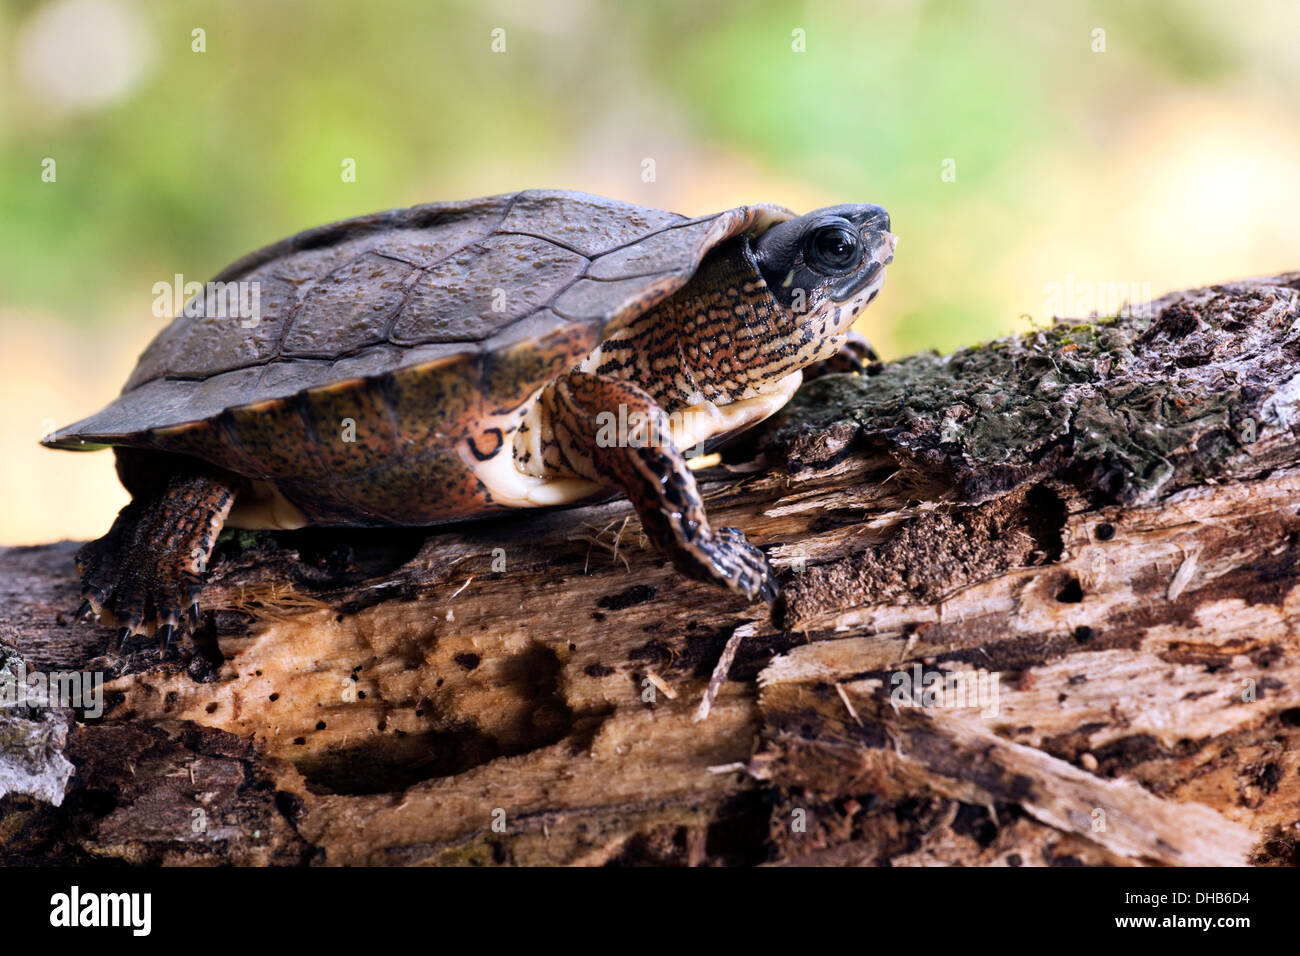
456,360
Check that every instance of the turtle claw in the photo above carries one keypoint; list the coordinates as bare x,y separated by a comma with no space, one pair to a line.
165,634
739,566
853,356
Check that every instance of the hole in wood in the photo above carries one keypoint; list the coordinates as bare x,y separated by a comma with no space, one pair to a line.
1071,592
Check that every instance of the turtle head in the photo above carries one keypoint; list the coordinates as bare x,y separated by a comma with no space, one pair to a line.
825,267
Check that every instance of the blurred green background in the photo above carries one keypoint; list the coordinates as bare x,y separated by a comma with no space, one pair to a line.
1020,147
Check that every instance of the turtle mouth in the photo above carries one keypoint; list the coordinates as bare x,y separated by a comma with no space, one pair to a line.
872,271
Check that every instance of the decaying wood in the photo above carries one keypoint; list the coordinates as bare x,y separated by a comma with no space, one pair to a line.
1081,543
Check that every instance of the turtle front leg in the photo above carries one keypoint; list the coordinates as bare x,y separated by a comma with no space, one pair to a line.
149,568
579,436
854,355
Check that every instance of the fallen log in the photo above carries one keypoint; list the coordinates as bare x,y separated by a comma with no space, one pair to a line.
1041,608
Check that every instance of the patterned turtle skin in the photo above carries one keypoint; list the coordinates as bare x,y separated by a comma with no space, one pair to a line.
454,360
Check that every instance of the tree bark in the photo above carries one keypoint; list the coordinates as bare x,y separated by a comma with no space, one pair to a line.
1041,608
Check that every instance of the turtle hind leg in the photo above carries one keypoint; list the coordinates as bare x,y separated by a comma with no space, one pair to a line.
149,568
654,475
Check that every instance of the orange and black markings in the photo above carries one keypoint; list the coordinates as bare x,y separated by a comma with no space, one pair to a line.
655,478
721,339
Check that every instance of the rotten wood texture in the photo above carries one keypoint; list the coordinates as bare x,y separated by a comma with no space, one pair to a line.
1041,610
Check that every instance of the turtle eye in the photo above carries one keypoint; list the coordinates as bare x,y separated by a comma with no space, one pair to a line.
833,249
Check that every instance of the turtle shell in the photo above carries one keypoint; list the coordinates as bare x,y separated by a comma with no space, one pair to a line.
423,327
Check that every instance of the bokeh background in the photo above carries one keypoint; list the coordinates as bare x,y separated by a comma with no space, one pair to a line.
1016,146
